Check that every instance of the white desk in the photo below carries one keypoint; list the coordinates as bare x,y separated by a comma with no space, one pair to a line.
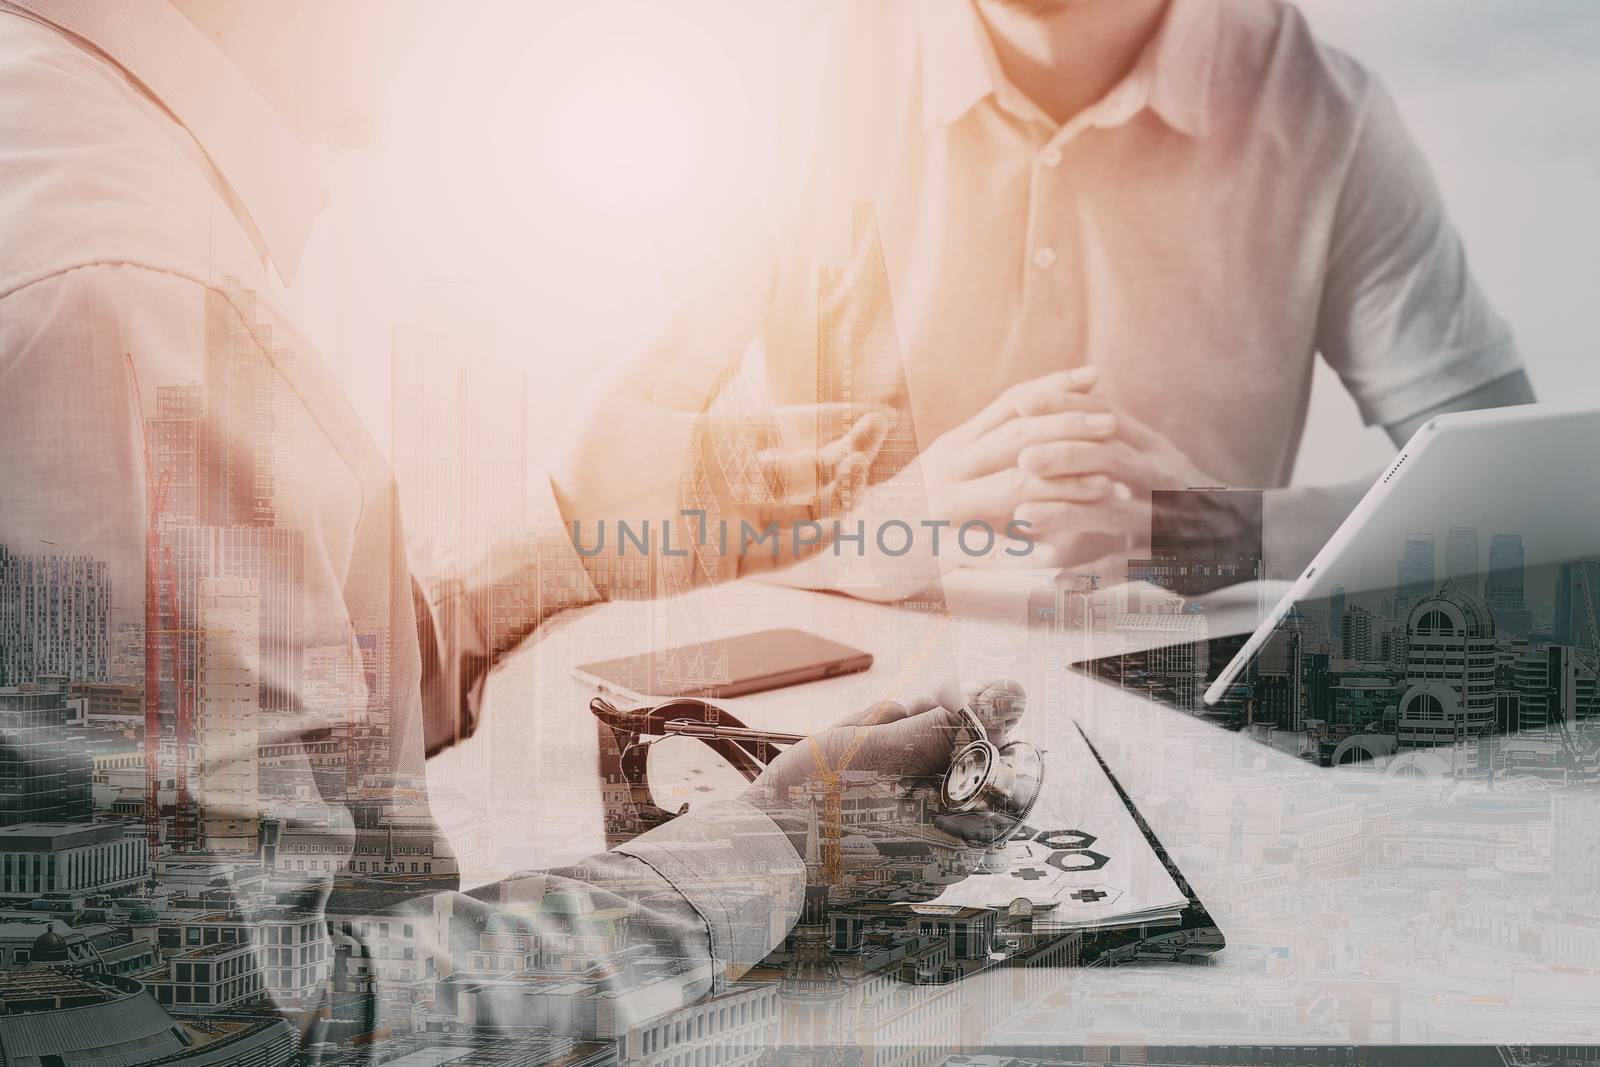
1358,907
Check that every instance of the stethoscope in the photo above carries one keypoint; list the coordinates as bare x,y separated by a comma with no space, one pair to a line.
986,792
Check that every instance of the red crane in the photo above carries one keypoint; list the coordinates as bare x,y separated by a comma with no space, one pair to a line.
183,820
156,488
158,562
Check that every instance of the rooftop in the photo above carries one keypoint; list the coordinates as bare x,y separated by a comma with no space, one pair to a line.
54,836
43,988
209,951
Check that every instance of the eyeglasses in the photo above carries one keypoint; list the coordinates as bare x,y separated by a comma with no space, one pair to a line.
643,735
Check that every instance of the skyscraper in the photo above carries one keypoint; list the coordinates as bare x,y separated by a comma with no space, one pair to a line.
1169,657
1572,607
271,557
1414,574
44,762
1280,690
1336,602
1461,558
175,448
1355,640
238,441
1450,670
55,618
227,724
1503,587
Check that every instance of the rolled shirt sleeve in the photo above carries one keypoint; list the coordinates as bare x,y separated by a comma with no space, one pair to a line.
738,871
1402,319
678,913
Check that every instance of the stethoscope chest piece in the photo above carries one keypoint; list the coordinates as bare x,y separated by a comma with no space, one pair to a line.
989,789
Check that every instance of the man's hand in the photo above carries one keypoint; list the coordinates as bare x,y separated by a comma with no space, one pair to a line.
1128,461
884,765
737,493
973,472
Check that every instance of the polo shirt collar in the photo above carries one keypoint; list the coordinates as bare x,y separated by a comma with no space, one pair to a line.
271,172
960,67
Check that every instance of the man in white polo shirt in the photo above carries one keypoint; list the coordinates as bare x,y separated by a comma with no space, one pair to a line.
1187,199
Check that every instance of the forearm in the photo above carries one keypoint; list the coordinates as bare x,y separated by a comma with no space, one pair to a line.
623,936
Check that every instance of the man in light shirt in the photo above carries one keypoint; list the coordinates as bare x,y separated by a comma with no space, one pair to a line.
162,418
1185,201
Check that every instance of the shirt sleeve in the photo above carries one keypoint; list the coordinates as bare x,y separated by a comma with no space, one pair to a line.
681,912
1402,320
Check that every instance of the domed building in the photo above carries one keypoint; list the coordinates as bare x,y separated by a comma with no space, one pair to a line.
51,1012
1450,665
50,947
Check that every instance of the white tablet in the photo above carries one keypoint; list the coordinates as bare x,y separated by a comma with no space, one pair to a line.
1495,500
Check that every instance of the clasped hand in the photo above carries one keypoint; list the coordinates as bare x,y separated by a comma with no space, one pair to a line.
1072,466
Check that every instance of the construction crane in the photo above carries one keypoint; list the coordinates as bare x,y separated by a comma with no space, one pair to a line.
183,813
1590,663
1588,614
158,564
156,489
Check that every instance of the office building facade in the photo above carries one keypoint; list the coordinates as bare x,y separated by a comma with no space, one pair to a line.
55,618
39,859
227,724
45,768
1450,670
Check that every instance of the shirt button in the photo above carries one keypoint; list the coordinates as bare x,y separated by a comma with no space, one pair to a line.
1044,258
1051,157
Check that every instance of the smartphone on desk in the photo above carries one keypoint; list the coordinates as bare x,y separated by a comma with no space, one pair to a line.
730,667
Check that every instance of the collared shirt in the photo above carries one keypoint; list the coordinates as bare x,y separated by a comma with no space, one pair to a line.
162,419
1243,201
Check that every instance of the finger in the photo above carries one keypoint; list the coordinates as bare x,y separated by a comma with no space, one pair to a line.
1001,446
1132,430
793,472
847,486
884,711
996,497
916,747
1059,459
865,436
922,745
1035,397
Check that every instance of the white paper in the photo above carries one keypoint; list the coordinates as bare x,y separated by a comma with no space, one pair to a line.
1086,860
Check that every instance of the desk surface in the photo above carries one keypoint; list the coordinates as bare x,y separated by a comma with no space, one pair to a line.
1360,906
